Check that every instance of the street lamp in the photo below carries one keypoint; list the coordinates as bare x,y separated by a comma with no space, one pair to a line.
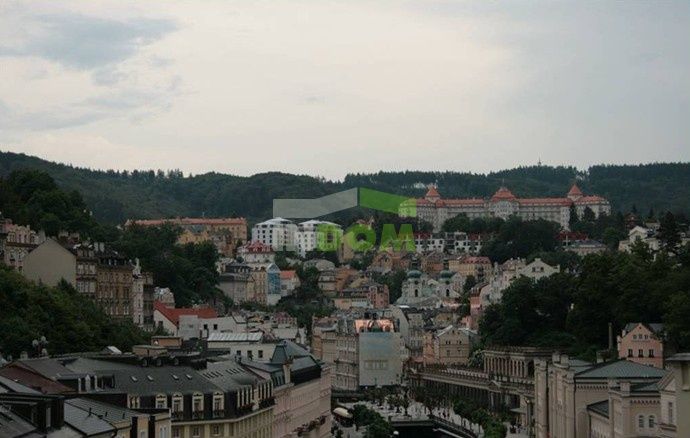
39,346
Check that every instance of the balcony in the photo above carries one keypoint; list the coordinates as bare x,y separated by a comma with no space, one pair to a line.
177,415
197,415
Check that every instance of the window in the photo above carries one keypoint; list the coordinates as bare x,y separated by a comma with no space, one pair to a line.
640,421
215,430
161,401
651,353
261,354
640,353
670,412
175,432
630,354
652,421
196,431
198,402
177,403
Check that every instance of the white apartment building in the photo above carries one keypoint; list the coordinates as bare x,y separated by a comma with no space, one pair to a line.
314,233
278,233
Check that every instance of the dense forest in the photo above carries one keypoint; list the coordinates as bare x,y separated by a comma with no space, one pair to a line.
572,310
114,196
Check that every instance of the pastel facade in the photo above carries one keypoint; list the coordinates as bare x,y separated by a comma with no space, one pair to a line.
642,343
503,204
225,233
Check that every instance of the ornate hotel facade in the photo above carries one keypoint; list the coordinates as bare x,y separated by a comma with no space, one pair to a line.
503,204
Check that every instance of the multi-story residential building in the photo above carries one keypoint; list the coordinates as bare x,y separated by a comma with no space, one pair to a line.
225,233
314,234
114,281
477,266
206,398
452,243
410,323
302,391
16,241
236,281
142,297
87,265
451,345
364,293
168,318
503,204
289,281
278,233
256,253
369,354
642,343
421,291
567,390
265,285
324,334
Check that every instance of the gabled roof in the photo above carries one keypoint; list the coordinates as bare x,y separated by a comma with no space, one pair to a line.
503,194
620,369
173,314
575,191
654,327
432,192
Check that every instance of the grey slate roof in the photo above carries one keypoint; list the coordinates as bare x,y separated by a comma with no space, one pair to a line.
78,417
601,408
620,369
134,379
655,328
228,375
12,425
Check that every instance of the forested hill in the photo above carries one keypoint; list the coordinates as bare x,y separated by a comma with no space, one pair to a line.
117,196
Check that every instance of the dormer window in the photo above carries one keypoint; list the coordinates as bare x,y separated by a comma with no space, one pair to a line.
198,402
177,403
133,402
161,401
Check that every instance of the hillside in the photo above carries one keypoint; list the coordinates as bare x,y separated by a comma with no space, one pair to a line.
117,196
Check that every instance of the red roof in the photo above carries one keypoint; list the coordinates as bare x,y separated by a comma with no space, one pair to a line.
173,314
503,194
432,192
287,275
256,247
575,191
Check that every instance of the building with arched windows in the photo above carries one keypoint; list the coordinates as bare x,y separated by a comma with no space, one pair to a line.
436,210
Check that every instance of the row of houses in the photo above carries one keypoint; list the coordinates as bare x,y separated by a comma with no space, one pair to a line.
167,393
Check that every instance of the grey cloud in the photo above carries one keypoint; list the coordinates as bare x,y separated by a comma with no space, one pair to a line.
85,42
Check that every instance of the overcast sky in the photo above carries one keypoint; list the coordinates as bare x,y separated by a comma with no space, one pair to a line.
327,88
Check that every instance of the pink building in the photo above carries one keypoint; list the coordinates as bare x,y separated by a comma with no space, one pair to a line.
642,343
